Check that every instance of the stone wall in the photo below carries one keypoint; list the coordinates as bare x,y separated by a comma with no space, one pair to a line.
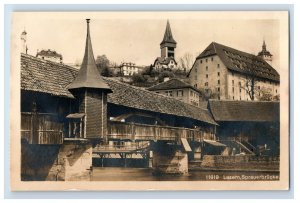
245,162
70,161
169,159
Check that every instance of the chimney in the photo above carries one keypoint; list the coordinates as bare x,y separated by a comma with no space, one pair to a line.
23,42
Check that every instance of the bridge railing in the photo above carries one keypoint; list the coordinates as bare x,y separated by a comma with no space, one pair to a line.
132,147
135,131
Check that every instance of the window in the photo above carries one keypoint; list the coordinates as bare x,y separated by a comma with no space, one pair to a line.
196,70
179,93
240,84
191,93
207,68
232,82
200,61
218,73
218,82
232,74
233,89
206,84
240,90
218,65
219,97
240,98
206,75
233,98
276,90
206,60
169,93
212,58
195,85
195,77
218,89
258,87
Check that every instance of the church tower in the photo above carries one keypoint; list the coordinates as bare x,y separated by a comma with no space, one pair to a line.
265,54
91,91
23,42
168,43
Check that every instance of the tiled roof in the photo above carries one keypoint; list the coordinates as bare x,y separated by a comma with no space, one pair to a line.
257,111
164,61
173,83
240,61
88,75
52,78
46,76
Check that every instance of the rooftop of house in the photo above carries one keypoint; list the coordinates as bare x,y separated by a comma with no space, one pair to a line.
53,78
241,62
164,61
49,52
253,111
173,83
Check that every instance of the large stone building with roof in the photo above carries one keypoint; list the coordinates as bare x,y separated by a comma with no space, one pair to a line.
167,59
230,73
178,89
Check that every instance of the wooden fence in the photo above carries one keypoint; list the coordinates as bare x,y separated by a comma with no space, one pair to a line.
41,128
134,131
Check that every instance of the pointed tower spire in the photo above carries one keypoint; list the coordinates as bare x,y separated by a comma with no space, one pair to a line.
91,91
168,37
264,46
265,54
88,75
168,43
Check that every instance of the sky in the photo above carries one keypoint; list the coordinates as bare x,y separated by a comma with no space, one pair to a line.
136,37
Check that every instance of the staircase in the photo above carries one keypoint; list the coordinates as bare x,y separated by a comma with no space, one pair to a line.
240,147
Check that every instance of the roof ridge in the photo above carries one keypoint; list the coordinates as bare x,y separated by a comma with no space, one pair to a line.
245,101
47,61
244,52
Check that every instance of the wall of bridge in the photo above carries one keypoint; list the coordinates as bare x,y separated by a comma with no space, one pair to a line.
70,161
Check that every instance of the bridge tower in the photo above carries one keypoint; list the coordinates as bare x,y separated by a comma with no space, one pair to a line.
91,91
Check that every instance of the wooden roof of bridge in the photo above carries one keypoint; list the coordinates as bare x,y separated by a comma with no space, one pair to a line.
43,76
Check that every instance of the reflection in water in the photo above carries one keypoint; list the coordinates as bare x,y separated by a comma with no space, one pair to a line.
145,174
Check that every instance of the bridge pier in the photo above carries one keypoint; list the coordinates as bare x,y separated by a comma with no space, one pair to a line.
169,159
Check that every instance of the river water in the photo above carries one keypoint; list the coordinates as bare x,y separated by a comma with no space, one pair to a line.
145,174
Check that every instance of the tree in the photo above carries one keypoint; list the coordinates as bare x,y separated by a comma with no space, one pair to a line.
102,61
208,93
138,78
165,74
106,72
186,61
265,95
250,85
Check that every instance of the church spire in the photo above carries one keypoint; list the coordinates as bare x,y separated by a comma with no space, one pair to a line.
265,54
168,44
264,46
88,75
168,37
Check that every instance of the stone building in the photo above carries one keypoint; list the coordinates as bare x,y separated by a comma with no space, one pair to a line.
167,59
50,55
231,73
128,69
179,90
